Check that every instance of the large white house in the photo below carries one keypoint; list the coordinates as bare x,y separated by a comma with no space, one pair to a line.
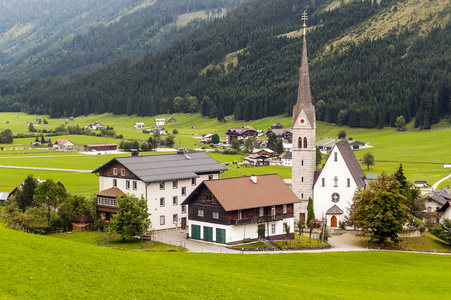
163,180
231,210
336,183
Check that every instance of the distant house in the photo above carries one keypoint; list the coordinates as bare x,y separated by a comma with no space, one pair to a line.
96,126
148,131
171,120
63,145
71,118
38,119
421,183
285,134
30,123
82,223
230,211
355,145
276,125
100,147
47,140
259,157
370,177
239,133
161,130
207,137
35,144
139,125
3,197
326,144
287,159
159,122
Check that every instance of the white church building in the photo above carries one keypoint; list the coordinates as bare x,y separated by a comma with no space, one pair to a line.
333,187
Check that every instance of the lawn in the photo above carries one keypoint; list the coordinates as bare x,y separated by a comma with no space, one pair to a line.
42,267
92,237
302,242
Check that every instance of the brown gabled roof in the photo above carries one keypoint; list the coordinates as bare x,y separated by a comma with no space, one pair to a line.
242,193
334,210
352,162
111,192
83,219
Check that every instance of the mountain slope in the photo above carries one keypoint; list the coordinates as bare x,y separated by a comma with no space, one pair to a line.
364,81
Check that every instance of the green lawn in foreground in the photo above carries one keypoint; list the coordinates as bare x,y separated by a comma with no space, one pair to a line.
41,267
129,244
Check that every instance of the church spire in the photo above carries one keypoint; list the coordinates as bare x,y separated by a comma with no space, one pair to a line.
304,100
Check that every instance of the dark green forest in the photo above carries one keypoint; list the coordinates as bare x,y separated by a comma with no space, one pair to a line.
367,85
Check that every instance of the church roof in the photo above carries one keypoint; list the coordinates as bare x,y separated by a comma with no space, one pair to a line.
352,162
334,210
304,100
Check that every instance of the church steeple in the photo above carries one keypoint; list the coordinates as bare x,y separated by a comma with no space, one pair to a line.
304,100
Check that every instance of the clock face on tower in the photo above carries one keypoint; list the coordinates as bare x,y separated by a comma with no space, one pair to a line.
302,121
335,197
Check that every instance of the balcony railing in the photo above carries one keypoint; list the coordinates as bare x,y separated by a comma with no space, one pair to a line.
263,219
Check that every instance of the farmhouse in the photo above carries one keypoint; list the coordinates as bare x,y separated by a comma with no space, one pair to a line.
138,125
63,145
259,157
356,145
239,133
207,137
171,120
100,147
277,129
286,159
163,180
96,126
161,130
159,122
232,210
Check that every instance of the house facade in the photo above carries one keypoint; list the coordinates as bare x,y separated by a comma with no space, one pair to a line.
63,145
240,133
336,183
159,122
138,125
259,157
163,180
230,211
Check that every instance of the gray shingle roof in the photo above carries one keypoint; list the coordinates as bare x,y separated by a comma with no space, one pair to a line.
164,167
334,210
352,162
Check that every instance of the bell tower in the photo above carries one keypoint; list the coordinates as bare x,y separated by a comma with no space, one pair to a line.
303,127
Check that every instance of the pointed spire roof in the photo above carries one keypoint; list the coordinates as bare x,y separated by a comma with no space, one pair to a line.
304,96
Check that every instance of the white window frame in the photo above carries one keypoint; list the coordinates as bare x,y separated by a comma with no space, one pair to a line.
175,218
273,211
122,172
193,181
323,182
175,200
114,182
183,190
335,156
273,228
240,214
261,211
200,212
348,182
210,177
285,208
114,171
183,209
162,201
162,185
127,184
215,215
175,184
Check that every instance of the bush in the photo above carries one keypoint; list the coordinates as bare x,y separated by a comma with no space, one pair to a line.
420,225
326,234
342,224
101,225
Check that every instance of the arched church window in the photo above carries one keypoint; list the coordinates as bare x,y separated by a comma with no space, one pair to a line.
305,142
300,143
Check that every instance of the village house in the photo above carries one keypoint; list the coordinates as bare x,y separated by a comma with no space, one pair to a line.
138,125
3,197
38,119
171,120
100,147
326,144
230,211
206,138
287,159
63,145
107,202
160,130
281,133
240,133
148,131
159,122
259,157
163,180
96,126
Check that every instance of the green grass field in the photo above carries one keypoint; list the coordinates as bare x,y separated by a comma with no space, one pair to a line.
42,267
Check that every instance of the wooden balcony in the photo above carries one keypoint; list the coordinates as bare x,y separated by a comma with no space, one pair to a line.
263,219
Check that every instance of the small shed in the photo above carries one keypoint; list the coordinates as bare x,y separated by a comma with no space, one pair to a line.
71,118
171,120
3,197
82,223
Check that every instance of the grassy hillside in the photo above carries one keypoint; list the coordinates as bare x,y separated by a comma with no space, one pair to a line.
43,267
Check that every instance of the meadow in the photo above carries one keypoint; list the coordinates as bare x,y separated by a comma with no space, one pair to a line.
42,267
421,153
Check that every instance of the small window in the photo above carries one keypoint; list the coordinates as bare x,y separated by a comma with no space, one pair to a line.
323,181
162,201
161,185
113,202
273,210
208,197
122,172
285,208
302,196
305,142
210,177
114,171
106,201
215,215
175,200
300,143
193,181
261,211
183,191
302,179
200,212
135,185
99,201
175,184
335,181
161,220
302,163
348,182
240,214
183,209
114,183
175,218
127,184
335,156
273,228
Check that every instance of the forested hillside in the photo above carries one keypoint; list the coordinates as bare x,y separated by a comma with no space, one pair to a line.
50,38
368,65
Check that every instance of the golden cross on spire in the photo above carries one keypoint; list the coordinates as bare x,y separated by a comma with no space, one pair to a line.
304,17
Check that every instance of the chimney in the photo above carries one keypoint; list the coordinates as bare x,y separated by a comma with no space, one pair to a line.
254,178
135,152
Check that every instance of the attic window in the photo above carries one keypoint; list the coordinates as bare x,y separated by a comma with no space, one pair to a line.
335,156
114,171
208,197
122,172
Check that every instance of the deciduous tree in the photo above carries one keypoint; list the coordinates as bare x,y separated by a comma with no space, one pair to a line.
368,159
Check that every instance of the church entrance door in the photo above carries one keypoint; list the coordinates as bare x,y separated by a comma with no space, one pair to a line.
333,221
